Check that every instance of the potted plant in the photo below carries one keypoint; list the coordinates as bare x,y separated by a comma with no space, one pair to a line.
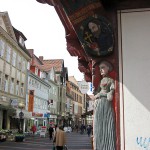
3,134
19,137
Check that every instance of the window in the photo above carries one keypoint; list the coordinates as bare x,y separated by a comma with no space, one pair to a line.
23,65
18,75
30,81
28,65
6,83
19,62
17,88
2,46
22,89
14,58
36,71
21,41
8,52
51,101
0,79
12,86
52,75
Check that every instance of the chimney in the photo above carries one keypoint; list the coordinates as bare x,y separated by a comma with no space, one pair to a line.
41,58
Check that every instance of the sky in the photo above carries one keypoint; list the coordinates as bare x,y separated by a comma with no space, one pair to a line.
43,29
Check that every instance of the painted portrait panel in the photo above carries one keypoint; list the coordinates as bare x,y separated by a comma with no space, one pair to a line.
96,35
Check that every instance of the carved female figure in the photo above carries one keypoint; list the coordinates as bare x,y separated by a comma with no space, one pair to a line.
104,119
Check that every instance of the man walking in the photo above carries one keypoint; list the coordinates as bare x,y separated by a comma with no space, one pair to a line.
51,130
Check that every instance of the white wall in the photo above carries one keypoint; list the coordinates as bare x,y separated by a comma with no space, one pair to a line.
134,49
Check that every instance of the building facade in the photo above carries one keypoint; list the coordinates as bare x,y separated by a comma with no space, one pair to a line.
13,73
57,75
77,103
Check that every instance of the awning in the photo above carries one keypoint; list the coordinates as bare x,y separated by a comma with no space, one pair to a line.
11,111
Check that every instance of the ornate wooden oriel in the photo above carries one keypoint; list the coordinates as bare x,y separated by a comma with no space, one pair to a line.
90,36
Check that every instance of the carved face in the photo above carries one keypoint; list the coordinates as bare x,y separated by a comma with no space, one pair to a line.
95,29
104,69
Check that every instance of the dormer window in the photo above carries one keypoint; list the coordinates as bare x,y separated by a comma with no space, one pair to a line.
21,41
36,71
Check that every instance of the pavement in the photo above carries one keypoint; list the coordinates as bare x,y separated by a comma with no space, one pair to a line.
75,141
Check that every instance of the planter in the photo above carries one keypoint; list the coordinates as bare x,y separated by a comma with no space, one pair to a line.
2,138
19,138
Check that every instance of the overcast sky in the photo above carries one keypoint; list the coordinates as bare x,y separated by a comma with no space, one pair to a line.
43,30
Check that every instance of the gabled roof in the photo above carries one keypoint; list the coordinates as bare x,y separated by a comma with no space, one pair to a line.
57,64
73,80
11,31
35,61
7,25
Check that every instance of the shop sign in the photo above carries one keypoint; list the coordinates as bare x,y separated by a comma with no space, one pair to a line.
53,116
14,102
37,114
83,86
47,115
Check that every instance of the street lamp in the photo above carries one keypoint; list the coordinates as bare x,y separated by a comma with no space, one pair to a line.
21,115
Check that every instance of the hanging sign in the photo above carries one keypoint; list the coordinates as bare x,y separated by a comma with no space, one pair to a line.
83,86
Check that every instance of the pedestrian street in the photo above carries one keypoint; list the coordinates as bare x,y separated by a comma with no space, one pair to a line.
75,141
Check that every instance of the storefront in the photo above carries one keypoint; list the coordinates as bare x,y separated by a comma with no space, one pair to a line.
39,120
6,112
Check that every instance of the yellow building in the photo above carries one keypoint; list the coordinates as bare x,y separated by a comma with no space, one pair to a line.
13,72
78,100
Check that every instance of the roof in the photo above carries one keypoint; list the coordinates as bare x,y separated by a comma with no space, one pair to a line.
52,63
73,80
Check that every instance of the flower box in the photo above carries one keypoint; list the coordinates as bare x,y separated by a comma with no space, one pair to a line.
19,138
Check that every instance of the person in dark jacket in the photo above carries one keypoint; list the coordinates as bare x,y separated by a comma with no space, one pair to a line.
51,130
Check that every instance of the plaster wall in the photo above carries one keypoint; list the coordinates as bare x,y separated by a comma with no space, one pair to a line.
134,57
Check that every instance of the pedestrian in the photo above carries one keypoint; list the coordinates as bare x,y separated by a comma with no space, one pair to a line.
76,126
51,131
33,129
82,129
60,138
89,130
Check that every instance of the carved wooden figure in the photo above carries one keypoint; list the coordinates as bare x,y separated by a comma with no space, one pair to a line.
104,118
